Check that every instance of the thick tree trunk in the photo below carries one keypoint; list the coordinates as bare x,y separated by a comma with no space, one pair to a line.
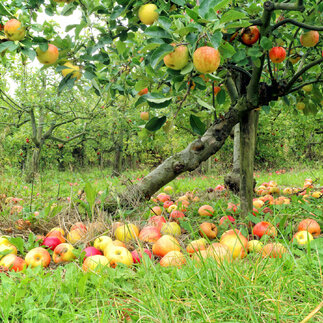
186,160
248,133
232,180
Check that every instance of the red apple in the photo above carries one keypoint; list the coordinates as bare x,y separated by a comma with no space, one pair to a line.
144,115
264,228
310,38
162,197
311,226
63,253
208,230
250,35
277,54
51,242
91,251
79,226
157,221
14,30
206,210
142,92
164,245
137,255
273,250
149,234
227,219
206,59
175,215
12,262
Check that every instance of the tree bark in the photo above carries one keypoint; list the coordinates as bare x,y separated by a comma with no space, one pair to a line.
117,164
232,180
248,132
186,160
33,168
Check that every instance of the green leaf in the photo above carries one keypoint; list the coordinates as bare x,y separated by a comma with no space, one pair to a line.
141,84
192,14
18,243
117,11
66,83
220,97
204,104
159,54
232,15
215,39
29,52
266,43
155,123
226,50
197,125
218,5
8,45
91,194
187,69
158,32
204,8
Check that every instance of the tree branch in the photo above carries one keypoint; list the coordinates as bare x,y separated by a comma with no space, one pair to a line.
65,141
303,84
296,23
302,71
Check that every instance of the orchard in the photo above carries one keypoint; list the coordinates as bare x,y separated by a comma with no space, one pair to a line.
161,161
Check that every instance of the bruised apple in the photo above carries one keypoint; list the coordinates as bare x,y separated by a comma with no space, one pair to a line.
164,245
177,59
174,259
13,262
157,221
14,30
208,230
264,228
311,226
64,252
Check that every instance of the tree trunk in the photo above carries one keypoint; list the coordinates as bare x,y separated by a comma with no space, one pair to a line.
186,160
232,180
33,168
117,164
248,133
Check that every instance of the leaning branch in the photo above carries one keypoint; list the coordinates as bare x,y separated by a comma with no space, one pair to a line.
296,23
305,83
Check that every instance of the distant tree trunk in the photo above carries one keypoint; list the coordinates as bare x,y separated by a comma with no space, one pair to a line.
33,168
117,164
248,134
232,180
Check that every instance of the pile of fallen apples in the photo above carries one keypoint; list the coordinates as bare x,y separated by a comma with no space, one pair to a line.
161,238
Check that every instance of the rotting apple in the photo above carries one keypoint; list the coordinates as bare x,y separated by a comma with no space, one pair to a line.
208,230
64,252
277,54
14,30
250,35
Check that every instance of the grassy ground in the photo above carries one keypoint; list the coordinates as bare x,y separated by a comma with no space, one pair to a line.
252,289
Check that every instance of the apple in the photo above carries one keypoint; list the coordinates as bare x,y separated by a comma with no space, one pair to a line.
216,90
208,230
308,88
311,226
56,234
72,69
37,257
64,252
144,116
178,58
14,30
257,203
4,241
273,250
254,246
277,54
51,242
164,245
173,258
79,226
49,56
116,225
317,194
250,35
148,13
127,232
156,210
157,221
167,204
168,189
219,252
206,59
172,208
310,38
102,242
91,263
226,219
302,237
116,243
143,92
149,234
163,197
206,210
264,228
137,255
12,262
75,236
236,242
171,228
175,215
200,256
196,245
118,255
91,251
56,229
6,249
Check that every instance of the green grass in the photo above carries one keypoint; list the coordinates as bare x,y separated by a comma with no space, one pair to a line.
248,290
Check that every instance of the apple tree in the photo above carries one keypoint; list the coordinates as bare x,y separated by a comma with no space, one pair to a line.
259,52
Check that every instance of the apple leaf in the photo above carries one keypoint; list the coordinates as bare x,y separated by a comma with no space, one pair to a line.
216,39
197,125
205,104
10,45
29,52
158,32
220,97
266,43
192,14
159,54
187,69
18,242
232,15
155,123
226,50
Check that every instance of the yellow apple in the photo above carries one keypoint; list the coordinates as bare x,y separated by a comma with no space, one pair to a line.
63,253
14,30
174,259
164,245
70,68
148,13
236,242
50,56
118,255
300,106
310,38
91,263
7,249
177,59
144,116
196,245
171,228
303,237
254,246
37,257
127,232
102,242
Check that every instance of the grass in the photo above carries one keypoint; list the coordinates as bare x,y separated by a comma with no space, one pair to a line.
249,290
